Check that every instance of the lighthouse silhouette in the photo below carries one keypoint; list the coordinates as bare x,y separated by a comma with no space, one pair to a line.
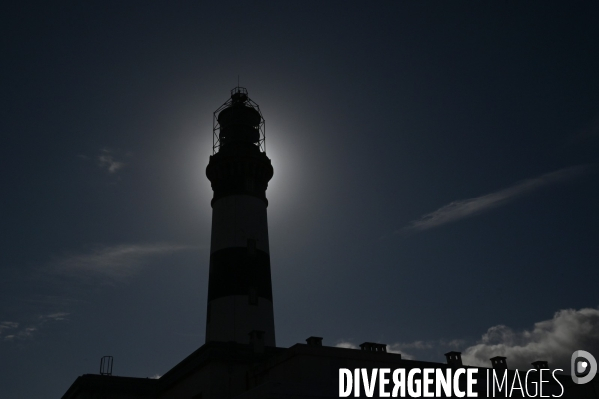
240,306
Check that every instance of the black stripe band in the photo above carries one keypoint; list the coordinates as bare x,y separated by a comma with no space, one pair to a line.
223,194
239,271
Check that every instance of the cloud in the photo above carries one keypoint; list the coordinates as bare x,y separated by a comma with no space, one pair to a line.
552,340
461,209
454,343
29,329
115,262
104,264
397,348
8,325
21,334
59,316
347,345
106,160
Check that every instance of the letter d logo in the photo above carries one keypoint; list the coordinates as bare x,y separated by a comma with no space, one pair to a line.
581,367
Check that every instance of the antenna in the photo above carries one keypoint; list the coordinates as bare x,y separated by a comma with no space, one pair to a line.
106,365
237,80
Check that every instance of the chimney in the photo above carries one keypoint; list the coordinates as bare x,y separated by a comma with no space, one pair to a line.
540,364
499,363
454,359
257,340
314,341
373,347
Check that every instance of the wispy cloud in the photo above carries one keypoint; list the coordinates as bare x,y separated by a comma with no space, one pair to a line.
58,316
114,262
106,160
102,264
12,331
7,326
24,333
461,209
552,340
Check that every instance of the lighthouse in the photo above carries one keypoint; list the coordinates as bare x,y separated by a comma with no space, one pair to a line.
239,290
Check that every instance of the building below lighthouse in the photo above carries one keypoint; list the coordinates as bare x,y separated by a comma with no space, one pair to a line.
240,359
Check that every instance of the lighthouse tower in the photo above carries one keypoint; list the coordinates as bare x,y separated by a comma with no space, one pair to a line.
239,289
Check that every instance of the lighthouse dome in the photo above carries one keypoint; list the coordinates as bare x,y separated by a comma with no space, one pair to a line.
239,122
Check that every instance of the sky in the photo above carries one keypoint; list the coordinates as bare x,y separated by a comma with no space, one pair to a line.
435,178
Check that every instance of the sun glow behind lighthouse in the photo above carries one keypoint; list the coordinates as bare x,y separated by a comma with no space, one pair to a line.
289,138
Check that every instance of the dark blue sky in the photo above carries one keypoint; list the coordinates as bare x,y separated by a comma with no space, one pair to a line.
435,186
